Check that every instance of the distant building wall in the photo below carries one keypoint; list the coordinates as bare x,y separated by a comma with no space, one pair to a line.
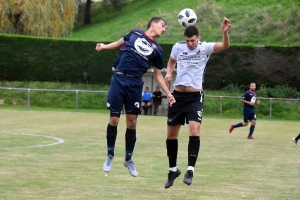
149,81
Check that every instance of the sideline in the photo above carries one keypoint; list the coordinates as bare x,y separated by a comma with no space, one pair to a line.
59,140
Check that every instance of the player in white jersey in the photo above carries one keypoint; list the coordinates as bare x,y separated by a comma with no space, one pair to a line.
191,57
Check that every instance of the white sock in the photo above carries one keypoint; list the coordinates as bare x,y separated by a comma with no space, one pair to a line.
173,169
191,168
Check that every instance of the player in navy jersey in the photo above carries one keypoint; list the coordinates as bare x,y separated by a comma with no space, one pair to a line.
191,58
249,100
138,52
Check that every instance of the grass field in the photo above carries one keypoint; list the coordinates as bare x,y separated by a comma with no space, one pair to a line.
229,166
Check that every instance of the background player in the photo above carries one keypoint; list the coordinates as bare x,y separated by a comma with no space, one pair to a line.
146,100
157,98
249,100
138,52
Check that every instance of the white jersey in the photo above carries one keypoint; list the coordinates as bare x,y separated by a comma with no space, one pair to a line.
191,63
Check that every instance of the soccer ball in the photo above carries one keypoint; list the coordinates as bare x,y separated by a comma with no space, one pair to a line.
187,17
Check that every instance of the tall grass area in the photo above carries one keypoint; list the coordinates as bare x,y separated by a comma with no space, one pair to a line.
91,101
269,22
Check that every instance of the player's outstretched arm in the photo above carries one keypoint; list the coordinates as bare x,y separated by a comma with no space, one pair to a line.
225,44
160,80
113,45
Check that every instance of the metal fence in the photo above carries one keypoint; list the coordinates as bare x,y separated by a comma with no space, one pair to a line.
52,90
98,91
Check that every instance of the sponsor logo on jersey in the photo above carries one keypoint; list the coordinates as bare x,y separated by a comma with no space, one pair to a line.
154,46
143,46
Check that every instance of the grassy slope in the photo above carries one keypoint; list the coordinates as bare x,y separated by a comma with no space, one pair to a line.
259,22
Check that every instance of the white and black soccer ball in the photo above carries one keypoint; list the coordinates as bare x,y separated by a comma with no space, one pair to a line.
187,17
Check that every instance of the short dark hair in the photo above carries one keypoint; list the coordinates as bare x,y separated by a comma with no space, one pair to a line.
155,19
190,31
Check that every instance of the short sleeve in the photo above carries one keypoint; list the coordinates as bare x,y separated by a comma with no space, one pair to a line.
245,95
174,51
158,60
209,47
127,36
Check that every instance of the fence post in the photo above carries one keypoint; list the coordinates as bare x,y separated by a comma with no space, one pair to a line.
221,103
270,108
76,100
28,99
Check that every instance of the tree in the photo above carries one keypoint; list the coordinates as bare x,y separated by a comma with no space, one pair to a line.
51,18
87,14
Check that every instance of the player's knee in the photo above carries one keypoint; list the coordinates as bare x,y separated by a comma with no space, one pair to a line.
245,123
131,124
114,121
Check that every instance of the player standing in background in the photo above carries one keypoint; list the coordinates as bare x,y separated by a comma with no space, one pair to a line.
157,97
138,52
295,140
191,57
249,100
146,100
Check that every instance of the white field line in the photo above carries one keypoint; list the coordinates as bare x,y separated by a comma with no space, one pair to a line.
59,140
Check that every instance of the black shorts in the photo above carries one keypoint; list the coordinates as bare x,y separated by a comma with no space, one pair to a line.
188,107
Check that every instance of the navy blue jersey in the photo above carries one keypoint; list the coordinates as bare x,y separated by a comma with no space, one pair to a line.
249,96
138,53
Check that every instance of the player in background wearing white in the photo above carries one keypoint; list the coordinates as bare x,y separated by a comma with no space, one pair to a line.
191,57
295,140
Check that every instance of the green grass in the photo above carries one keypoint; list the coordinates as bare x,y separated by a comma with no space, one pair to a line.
270,22
229,166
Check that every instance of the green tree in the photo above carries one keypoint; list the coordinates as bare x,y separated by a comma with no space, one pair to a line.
87,14
51,18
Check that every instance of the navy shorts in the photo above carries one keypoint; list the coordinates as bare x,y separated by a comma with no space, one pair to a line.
249,114
127,91
188,107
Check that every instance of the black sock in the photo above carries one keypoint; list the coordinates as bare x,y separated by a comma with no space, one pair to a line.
193,150
297,138
130,138
111,136
172,150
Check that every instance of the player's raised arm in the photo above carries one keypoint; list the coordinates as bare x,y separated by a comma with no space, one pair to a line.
113,45
225,44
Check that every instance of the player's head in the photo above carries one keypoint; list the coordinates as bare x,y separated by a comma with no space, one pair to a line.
146,89
158,25
157,88
252,87
192,37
